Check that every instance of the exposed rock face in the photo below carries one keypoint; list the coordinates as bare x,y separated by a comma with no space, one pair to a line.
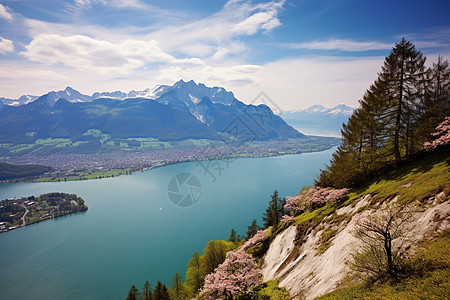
307,274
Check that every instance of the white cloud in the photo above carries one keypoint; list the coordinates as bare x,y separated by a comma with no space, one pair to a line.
88,3
85,53
261,20
37,27
343,45
233,47
24,73
437,38
135,4
235,75
216,35
302,82
5,14
6,45
221,31
271,24
291,83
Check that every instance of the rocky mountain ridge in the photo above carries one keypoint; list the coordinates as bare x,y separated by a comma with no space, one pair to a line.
185,110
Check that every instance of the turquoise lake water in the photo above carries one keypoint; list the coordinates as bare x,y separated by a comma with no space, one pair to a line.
132,231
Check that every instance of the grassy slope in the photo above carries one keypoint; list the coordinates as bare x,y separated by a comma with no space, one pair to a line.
425,177
414,181
431,280
11,171
431,276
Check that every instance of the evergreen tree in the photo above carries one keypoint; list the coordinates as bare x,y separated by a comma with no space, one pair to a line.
252,229
147,291
437,98
161,292
274,211
233,236
177,291
404,74
165,293
194,279
133,294
396,116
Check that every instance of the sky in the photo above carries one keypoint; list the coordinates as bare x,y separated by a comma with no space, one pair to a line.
298,52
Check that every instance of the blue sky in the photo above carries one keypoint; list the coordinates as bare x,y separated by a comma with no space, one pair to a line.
300,53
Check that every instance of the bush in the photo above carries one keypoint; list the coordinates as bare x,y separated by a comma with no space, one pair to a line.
270,290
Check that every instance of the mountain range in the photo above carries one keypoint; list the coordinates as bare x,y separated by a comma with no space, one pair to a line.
319,120
186,110
73,95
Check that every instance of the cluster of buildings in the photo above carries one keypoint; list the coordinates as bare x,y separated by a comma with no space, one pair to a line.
138,160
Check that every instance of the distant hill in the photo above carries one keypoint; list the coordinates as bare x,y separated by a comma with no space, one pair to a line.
12,171
319,120
183,111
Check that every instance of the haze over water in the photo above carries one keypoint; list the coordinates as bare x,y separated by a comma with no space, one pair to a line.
132,232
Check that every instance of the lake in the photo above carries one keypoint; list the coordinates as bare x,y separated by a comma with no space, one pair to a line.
134,231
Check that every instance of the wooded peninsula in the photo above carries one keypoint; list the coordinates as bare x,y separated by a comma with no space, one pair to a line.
18,212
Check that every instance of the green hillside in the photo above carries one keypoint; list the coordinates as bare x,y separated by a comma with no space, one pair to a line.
429,278
426,274
12,171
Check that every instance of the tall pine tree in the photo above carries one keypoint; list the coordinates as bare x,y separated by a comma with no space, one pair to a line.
161,292
437,98
133,294
274,211
404,76
147,291
194,279
396,116
252,229
178,291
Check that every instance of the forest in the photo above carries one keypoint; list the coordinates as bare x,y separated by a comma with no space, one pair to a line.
396,116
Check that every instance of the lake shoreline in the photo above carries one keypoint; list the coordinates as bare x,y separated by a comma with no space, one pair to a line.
36,179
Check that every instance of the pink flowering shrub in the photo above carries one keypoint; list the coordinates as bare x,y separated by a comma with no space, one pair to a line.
320,196
292,204
287,219
442,134
313,198
257,238
235,276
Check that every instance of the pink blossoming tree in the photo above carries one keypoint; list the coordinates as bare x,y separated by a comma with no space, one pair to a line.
257,238
235,276
441,134
287,219
314,198
320,196
292,204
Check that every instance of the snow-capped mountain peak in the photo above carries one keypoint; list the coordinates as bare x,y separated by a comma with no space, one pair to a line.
319,120
316,108
185,90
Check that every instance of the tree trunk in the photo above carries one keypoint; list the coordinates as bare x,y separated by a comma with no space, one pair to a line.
388,249
399,113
